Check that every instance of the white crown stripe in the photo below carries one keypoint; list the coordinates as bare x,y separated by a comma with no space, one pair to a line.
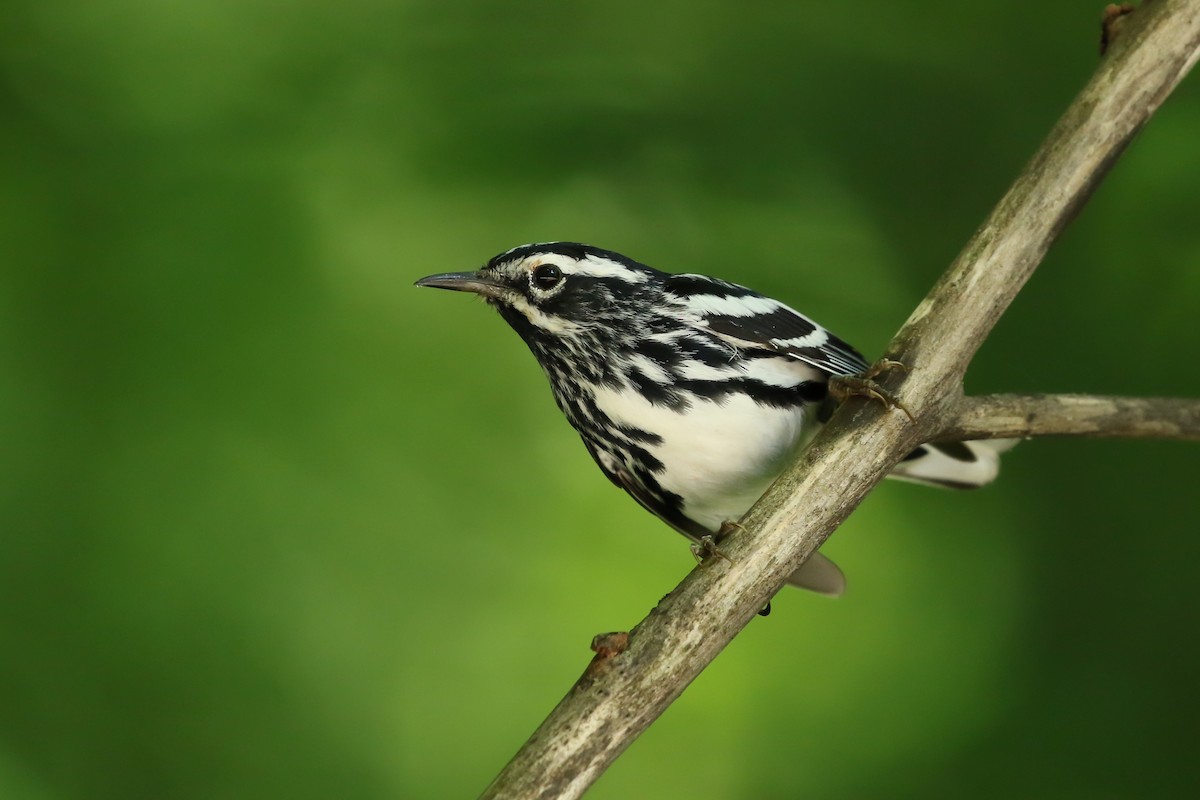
595,267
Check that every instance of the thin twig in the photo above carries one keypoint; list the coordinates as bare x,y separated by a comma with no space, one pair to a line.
620,696
1017,416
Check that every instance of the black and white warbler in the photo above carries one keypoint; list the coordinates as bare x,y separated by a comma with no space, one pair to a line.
692,394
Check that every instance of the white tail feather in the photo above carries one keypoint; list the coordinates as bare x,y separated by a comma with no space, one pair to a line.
957,465
964,465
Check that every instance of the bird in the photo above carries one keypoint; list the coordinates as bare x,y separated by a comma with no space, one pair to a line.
691,393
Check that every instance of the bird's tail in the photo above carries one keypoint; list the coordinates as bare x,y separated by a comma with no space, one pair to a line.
819,575
954,465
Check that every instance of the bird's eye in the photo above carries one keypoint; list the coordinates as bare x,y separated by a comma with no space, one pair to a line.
546,276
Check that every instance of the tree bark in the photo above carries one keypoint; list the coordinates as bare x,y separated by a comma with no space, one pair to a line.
1007,416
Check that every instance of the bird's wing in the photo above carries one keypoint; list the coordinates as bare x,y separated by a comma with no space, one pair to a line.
747,320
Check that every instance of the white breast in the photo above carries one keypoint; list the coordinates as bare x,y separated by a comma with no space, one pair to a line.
719,456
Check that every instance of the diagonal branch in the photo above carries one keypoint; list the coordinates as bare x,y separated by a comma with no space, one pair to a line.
622,693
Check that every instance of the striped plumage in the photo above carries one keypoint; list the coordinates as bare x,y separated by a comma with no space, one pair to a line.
691,393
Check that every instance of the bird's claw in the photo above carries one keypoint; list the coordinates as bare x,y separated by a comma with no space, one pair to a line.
728,527
881,366
706,547
843,387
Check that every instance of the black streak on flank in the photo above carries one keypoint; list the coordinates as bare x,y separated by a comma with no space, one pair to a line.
763,393
657,393
638,435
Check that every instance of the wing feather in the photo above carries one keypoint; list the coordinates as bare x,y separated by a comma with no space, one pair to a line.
748,320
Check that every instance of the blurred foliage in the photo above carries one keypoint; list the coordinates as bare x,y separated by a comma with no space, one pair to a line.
273,523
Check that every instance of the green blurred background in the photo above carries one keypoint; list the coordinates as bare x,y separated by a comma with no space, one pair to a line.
277,524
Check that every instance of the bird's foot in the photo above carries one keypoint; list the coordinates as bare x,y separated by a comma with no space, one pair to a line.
843,387
706,546
728,527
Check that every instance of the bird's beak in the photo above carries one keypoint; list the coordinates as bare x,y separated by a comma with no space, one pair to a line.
466,282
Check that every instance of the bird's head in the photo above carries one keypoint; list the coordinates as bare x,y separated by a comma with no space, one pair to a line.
558,289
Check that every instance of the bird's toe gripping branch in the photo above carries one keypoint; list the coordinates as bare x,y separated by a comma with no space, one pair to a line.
706,547
843,387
